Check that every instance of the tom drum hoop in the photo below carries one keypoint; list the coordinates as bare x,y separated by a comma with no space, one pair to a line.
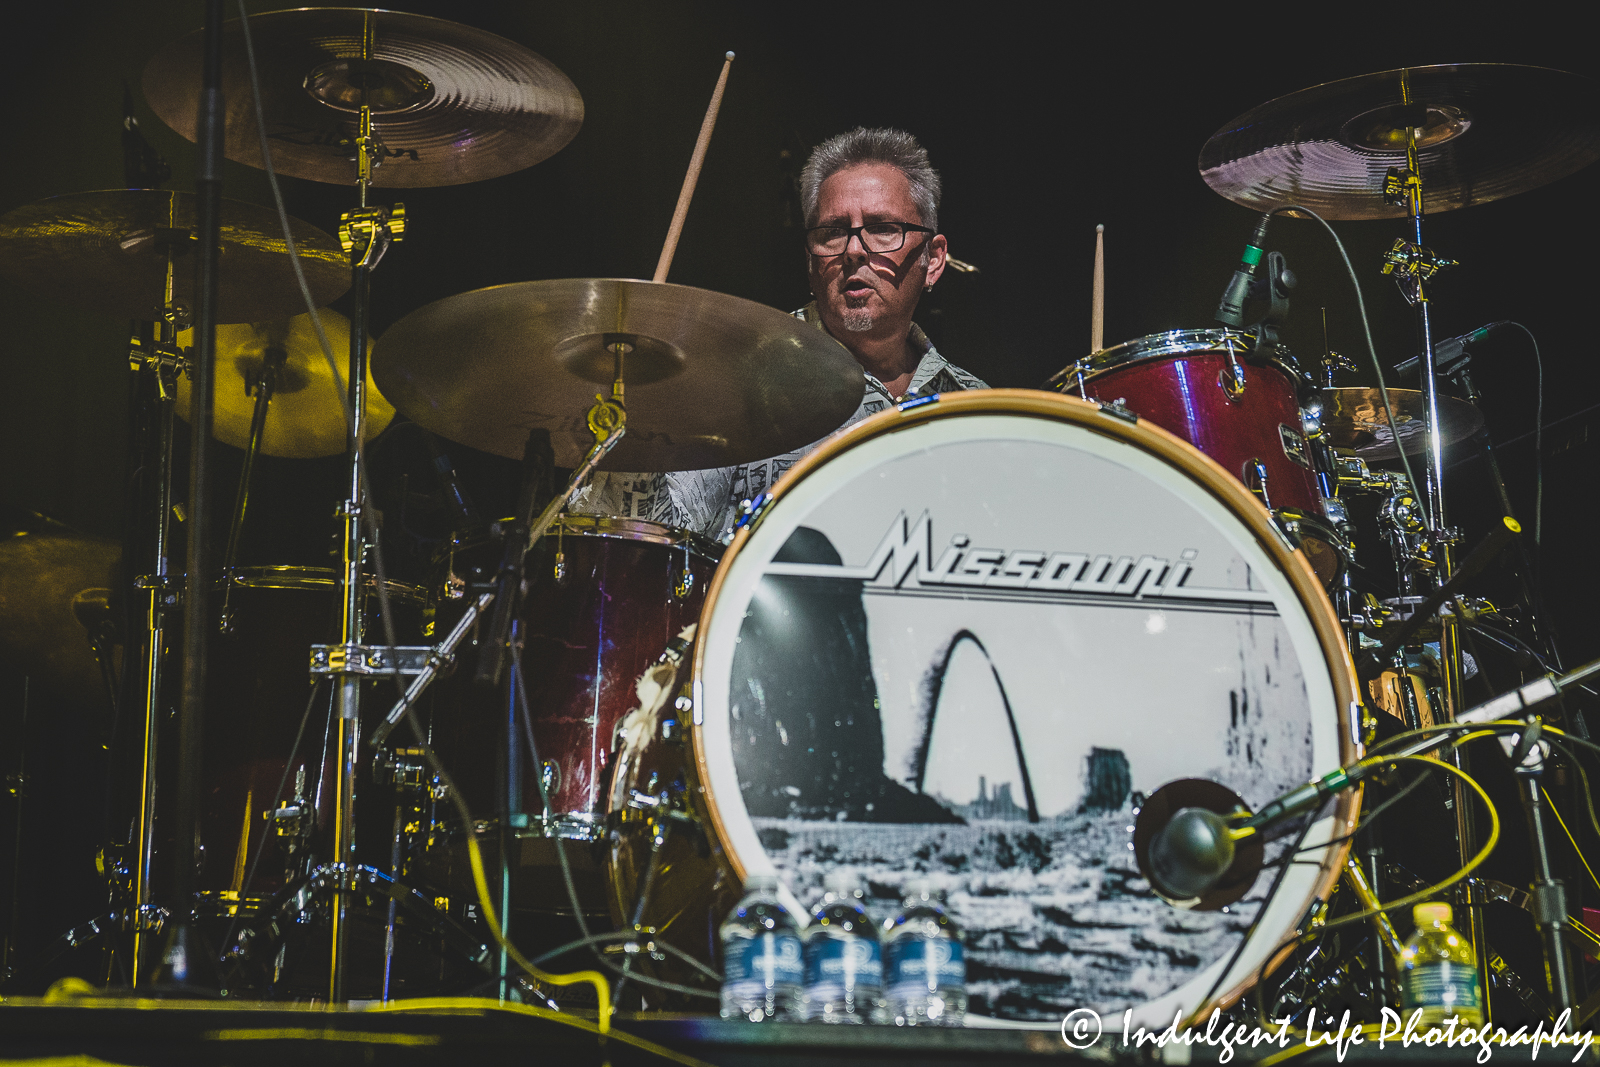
963,639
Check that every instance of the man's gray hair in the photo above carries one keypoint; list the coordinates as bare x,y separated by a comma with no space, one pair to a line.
861,145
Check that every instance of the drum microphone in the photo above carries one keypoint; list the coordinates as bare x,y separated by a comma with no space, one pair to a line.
452,486
1230,310
1191,853
1446,353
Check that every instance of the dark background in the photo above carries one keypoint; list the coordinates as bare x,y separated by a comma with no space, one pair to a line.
1043,125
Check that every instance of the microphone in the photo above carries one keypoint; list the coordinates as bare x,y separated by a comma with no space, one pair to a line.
1446,353
1230,309
1190,854
452,486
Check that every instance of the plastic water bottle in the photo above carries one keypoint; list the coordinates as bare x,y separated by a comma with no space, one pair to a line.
844,963
762,966
1438,971
924,966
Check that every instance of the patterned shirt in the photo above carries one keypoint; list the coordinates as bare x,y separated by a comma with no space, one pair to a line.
708,501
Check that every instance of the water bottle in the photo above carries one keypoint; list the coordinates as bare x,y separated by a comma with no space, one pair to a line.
923,963
1438,971
844,964
761,958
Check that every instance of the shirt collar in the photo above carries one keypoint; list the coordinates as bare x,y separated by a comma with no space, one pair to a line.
929,366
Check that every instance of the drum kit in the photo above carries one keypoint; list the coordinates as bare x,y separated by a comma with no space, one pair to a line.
929,648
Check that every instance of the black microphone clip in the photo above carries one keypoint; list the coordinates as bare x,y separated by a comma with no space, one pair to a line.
1451,354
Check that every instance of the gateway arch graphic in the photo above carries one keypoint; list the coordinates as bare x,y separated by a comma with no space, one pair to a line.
933,686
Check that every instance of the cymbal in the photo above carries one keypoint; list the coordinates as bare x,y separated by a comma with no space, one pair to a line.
305,418
450,103
1492,130
712,380
1353,417
55,588
108,251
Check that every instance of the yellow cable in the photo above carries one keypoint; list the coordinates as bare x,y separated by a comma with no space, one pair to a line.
1557,813
1472,865
602,988
485,1004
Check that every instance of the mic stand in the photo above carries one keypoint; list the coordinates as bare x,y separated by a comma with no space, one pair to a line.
1183,846
1549,903
1459,369
186,963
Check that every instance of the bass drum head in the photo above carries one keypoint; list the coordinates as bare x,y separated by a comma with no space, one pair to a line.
965,639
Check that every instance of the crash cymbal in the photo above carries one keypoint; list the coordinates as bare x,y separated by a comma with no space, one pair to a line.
55,591
450,103
1353,417
305,418
107,251
1491,130
712,380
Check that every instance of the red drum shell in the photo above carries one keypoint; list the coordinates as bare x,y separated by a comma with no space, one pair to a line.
586,638
1179,381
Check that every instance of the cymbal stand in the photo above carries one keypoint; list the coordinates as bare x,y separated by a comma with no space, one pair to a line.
266,380
1413,265
366,234
607,420
163,360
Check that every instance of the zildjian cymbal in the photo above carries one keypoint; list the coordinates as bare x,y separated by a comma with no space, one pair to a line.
305,418
1353,417
711,380
109,252
1485,131
450,104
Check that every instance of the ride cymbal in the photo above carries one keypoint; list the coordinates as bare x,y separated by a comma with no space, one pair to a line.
712,380
305,419
108,251
450,103
1489,131
1353,417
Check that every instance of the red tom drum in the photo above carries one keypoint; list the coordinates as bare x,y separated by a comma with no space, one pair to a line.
1246,416
590,625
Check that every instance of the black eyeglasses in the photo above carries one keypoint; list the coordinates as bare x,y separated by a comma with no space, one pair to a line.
875,237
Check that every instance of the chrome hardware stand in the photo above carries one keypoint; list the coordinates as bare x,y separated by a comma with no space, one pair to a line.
265,384
1413,266
366,234
1549,899
186,963
163,360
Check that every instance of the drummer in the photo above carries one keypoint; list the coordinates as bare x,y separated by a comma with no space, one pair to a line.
873,247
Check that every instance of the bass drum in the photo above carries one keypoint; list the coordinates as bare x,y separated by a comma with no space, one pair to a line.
962,640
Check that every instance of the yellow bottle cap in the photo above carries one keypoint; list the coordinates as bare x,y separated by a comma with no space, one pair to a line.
1427,914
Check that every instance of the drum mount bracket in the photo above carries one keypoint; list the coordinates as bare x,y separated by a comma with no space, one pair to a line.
371,659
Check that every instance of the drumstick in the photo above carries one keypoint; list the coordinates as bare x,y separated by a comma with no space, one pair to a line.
689,180
1097,317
